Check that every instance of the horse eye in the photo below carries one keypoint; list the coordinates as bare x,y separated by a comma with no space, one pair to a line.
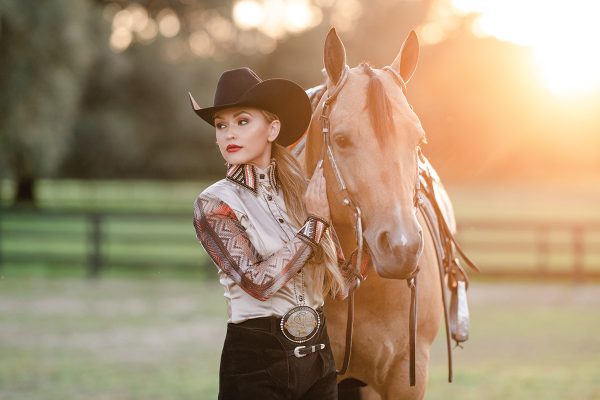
342,141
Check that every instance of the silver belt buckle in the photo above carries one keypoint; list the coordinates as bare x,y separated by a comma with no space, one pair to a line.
313,349
297,351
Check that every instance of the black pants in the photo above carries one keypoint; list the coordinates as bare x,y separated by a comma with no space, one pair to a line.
255,365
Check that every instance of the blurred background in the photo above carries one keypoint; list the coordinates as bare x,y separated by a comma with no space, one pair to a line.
104,291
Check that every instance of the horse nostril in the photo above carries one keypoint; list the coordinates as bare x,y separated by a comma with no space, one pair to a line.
401,247
383,242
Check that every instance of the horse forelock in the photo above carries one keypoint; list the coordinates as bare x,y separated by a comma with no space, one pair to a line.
378,106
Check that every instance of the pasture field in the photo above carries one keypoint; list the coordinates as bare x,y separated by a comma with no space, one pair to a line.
122,339
564,200
167,246
156,332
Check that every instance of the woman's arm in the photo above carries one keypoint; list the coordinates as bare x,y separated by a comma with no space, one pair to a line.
227,243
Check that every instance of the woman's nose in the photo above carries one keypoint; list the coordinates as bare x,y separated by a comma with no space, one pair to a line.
230,134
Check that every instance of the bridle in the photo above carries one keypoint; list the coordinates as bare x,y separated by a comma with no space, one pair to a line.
327,151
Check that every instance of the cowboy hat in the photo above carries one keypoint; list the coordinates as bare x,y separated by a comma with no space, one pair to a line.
282,97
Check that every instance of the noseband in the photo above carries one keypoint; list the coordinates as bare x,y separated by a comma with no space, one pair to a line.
327,151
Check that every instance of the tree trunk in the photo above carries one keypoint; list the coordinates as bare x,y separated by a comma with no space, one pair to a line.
24,180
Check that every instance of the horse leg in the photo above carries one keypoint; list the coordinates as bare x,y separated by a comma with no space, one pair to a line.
350,389
396,385
368,393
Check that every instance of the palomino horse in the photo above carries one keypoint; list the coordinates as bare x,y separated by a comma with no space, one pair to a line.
375,136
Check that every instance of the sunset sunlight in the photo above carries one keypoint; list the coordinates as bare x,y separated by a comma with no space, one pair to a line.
563,37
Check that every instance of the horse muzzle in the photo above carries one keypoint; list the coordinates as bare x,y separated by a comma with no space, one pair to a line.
396,256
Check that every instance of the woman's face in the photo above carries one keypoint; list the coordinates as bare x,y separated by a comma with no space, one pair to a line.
244,136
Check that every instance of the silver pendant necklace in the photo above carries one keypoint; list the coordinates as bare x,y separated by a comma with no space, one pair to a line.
300,323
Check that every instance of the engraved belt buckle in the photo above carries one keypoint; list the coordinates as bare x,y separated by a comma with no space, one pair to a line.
300,324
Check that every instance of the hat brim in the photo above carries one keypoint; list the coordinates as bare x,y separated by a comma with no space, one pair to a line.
281,97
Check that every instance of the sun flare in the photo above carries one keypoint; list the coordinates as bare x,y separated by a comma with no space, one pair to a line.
564,37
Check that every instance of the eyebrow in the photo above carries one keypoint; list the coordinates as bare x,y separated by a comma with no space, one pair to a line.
234,115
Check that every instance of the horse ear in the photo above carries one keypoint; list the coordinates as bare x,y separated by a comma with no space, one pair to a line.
334,56
406,60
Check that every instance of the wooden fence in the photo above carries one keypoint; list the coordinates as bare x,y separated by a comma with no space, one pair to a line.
96,240
533,249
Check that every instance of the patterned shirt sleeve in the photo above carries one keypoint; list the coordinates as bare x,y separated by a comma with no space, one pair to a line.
226,242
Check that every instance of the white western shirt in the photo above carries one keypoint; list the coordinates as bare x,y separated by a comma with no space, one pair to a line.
242,223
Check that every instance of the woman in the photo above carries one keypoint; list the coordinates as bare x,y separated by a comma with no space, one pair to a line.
267,230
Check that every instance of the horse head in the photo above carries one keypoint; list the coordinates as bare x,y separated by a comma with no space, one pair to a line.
374,137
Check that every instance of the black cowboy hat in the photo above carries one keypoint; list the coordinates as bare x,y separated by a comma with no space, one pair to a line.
284,98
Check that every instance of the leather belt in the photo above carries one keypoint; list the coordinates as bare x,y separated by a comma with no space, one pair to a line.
271,325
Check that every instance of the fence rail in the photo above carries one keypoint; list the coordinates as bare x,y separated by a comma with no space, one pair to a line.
94,239
87,238
551,249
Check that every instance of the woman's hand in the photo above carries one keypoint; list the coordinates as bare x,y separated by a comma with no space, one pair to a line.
315,197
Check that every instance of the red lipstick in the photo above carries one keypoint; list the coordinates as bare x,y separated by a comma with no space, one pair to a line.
232,148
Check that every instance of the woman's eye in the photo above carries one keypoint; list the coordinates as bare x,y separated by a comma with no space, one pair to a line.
219,125
243,121
342,141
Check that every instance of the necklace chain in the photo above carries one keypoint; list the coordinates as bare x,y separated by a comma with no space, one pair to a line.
300,300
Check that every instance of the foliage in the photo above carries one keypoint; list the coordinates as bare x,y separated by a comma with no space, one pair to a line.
136,121
484,113
46,50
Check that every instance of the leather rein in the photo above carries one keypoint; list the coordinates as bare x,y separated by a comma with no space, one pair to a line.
327,151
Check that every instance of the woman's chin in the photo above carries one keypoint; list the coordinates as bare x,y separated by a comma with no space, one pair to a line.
234,158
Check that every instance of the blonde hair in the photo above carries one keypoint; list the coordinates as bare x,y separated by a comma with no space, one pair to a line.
323,269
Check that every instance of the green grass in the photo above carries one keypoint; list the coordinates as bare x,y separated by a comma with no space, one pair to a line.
562,200
140,334
123,338
112,195
527,342
169,245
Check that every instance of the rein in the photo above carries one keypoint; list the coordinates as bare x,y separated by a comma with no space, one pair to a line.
347,201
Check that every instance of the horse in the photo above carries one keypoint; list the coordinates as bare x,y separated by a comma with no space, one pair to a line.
375,139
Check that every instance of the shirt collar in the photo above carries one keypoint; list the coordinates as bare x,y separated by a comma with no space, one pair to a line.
248,175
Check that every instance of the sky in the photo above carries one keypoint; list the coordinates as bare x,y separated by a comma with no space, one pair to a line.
563,36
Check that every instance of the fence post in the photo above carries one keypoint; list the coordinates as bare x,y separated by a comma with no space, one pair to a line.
542,245
578,251
95,254
0,239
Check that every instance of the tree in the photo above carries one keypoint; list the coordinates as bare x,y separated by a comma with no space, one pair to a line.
46,49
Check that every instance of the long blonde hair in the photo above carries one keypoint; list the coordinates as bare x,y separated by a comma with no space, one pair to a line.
323,268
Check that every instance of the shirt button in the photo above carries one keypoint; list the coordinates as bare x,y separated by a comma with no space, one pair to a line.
261,176
281,220
269,197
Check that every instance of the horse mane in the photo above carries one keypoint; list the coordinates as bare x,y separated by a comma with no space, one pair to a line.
378,105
